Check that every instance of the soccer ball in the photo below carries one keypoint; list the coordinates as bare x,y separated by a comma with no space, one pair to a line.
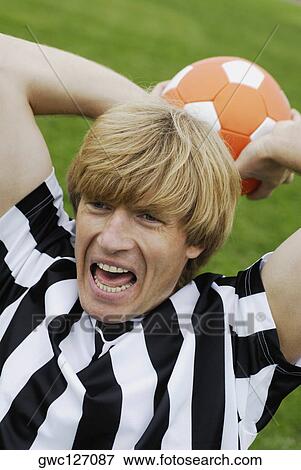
239,99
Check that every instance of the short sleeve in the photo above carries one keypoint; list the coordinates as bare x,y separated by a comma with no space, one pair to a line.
263,377
253,316
33,234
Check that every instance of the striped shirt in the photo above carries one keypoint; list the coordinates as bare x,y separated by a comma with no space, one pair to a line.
201,371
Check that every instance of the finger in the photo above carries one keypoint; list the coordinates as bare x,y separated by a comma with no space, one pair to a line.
296,115
289,179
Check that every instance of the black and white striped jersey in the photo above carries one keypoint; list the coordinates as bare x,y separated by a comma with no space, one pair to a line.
201,371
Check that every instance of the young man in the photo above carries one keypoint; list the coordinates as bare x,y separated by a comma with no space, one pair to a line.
105,342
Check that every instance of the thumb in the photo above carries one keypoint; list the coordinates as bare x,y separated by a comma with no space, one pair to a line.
247,160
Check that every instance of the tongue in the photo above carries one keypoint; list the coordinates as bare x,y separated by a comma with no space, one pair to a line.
113,279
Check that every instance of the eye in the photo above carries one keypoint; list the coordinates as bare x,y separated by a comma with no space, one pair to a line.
99,205
149,218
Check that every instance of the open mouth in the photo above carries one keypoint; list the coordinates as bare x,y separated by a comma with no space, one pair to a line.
112,279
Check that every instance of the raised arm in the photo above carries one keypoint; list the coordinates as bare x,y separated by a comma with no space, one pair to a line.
37,79
267,159
281,277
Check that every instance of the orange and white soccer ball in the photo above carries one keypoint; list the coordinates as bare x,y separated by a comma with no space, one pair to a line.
239,99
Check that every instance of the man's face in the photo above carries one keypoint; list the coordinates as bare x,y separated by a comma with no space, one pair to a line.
127,262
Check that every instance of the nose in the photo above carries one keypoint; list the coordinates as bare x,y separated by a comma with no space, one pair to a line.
116,233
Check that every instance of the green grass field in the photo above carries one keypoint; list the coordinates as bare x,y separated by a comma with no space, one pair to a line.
150,40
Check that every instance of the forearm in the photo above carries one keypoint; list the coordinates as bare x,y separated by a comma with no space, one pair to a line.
59,82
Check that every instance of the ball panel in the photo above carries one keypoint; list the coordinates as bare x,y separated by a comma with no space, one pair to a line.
235,142
232,100
243,72
204,111
265,127
174,82
249,186
202,83
277,104
173,97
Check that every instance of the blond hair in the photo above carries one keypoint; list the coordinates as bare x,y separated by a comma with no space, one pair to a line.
149,154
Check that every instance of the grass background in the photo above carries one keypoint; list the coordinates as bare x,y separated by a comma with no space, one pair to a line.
149,41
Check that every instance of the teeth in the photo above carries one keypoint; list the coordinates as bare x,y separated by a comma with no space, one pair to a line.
112,269
106,288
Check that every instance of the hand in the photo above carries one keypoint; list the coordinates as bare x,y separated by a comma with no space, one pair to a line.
159,88
273,158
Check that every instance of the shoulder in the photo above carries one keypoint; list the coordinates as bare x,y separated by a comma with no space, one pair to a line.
34,233
244,284
259,311
41,211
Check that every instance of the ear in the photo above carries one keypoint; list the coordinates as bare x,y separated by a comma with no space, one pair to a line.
193,251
